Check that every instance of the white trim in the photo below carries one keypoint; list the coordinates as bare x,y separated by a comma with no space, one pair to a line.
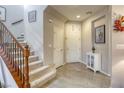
83,62
105,73
2,81
9,81
99,71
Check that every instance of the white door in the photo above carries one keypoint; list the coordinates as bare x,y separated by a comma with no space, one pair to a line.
58,45
73,42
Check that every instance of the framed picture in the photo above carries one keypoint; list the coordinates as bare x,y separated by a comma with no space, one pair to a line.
2,13
100,34
32,16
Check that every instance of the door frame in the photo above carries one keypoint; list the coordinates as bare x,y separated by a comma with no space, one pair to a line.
65,55
63,62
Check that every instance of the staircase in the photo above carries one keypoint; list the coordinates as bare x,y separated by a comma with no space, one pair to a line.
25,66
38,73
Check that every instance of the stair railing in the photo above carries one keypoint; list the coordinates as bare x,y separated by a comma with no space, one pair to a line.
16,55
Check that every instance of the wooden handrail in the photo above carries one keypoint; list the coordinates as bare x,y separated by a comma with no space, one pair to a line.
26,72
15,56
12,36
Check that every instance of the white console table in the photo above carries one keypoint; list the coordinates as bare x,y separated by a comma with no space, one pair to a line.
93,61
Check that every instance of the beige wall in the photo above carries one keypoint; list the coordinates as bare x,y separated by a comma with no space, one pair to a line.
88,26
117,54
104,49
51,18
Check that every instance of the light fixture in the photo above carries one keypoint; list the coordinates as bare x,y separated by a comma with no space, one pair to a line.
78,16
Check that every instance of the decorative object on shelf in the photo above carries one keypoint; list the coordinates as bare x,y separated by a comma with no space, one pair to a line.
119,24
2,13
32,16
93,61
100,34
93,49
16,22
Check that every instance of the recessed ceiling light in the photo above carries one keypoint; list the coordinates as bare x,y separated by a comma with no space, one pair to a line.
78,16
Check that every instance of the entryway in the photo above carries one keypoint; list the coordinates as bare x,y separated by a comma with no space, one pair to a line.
68,41
73,42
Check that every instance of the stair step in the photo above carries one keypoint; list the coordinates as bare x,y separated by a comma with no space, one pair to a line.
11,49
44,79
31,53
35,65
22,34
39,72
20,40
31,58
23,43
20,37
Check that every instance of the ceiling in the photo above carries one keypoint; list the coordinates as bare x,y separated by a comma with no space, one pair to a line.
71,11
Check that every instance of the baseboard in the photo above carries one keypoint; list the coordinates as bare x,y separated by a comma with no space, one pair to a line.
100,71
105,73
81,61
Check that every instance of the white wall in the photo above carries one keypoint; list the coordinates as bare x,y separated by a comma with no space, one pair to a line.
117,54
9,82
14,13
1,75
34,30
87,38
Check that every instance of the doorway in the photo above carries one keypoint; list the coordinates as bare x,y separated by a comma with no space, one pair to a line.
73,42
58,51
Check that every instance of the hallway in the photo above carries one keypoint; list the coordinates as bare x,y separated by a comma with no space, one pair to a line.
75,75
63,41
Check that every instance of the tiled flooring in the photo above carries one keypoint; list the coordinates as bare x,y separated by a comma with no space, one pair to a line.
76,75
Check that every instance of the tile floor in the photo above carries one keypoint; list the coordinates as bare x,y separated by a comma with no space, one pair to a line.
76,75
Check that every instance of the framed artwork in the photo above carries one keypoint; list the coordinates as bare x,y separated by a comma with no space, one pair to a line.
32,16
100,34
2,13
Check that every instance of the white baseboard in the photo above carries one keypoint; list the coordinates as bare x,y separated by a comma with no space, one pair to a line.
105,73
82,62
100,70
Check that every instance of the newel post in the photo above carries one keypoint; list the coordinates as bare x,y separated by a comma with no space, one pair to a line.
26,67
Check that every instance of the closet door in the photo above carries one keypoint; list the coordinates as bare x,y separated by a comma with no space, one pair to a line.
58,45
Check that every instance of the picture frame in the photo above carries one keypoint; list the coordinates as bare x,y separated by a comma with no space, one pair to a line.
32,16
2,14
100,34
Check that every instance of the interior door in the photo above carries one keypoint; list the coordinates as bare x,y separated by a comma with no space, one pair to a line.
58,45
73,42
